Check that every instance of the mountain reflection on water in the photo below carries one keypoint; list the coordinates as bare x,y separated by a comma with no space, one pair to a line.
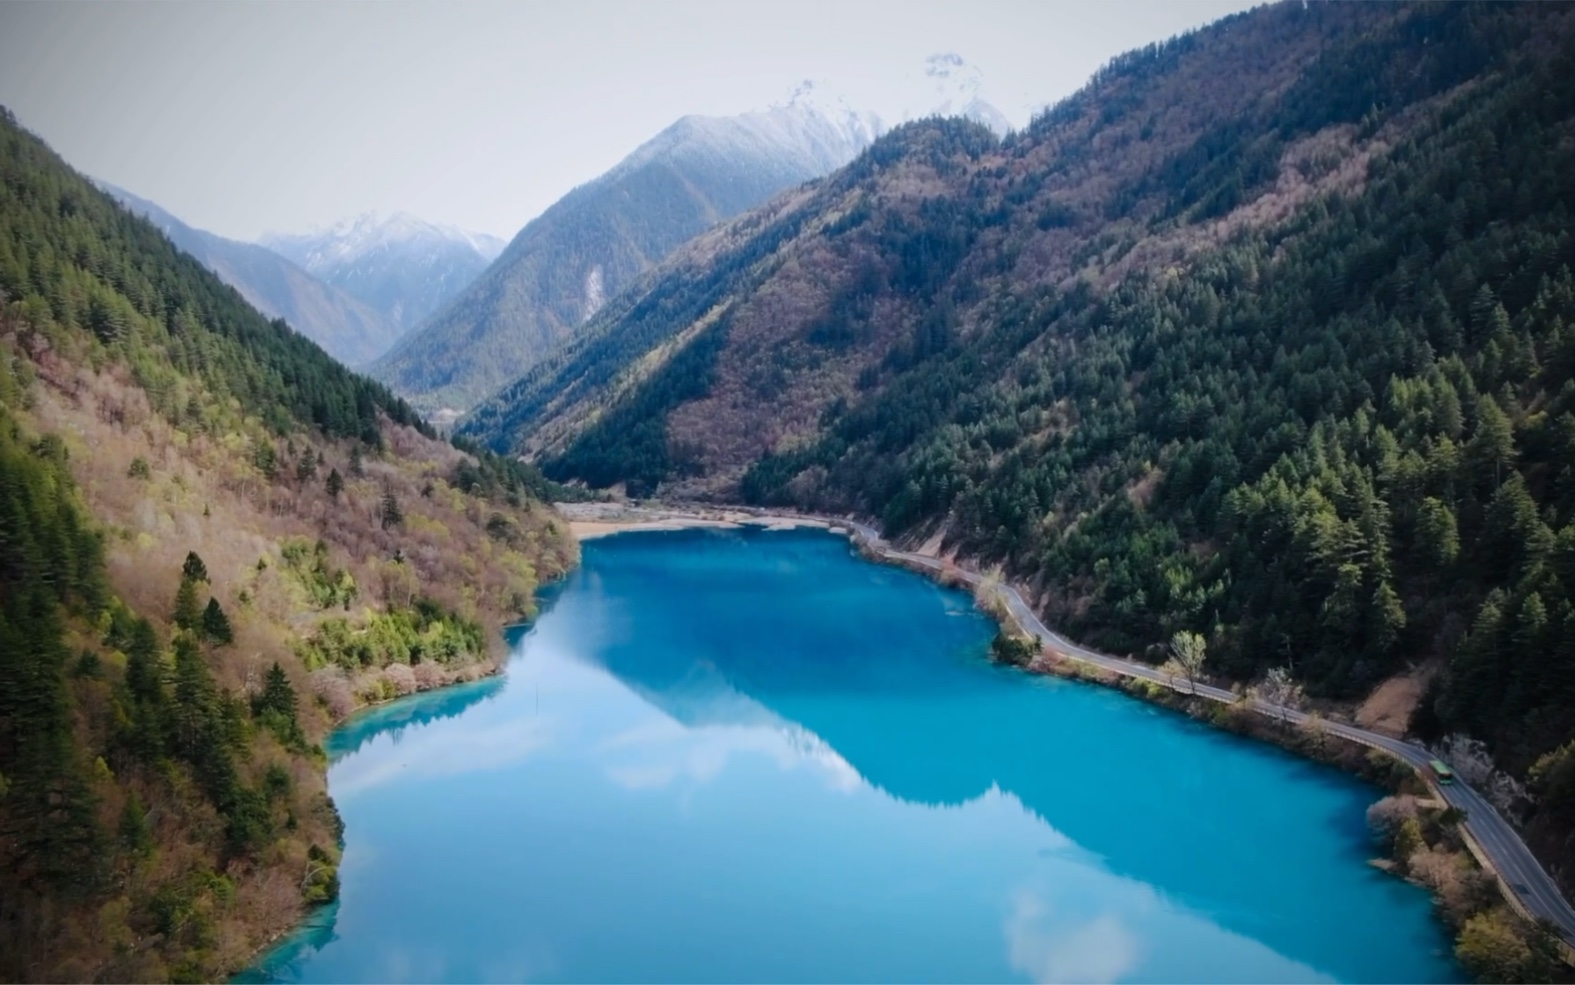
393,719
745,755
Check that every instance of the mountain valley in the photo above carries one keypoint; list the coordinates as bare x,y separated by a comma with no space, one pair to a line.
1283,361
1248,368
586,248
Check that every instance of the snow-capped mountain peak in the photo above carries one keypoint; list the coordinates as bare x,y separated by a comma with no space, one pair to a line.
810,134
946,84
953,86
953,74
817,97
402,265
603,235
349,239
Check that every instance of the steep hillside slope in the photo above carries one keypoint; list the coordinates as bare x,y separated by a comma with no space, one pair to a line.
215,541
584,249
1264,335
402,267
348,330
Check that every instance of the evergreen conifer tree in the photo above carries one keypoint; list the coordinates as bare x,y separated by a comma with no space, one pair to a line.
187,612
216,625
390,513
193,569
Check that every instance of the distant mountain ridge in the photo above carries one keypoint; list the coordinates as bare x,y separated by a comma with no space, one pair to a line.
589,245
349,330
399,265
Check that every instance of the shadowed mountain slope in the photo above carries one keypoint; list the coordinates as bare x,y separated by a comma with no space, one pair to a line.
587,247
348,329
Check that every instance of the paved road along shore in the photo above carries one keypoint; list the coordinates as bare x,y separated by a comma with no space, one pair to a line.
1526,882
1495,842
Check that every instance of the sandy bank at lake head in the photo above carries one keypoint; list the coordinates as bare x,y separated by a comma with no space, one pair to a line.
592,520
589,529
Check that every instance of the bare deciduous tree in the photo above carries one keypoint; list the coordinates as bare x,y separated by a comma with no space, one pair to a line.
332,686
1188,650
1314,729
1474,765
989,595
428,676
1281,692
401,678
1386,815
1461,888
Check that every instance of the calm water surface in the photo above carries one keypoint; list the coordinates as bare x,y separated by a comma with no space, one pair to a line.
750,756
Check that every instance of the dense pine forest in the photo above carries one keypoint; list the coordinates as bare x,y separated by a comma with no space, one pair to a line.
1267,335
215,542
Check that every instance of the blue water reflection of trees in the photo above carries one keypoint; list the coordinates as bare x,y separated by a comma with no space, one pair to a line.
910,699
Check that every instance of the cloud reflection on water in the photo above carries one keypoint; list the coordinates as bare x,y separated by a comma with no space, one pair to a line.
469,750
658,753
1102,949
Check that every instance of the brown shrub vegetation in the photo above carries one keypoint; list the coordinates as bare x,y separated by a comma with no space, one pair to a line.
229,490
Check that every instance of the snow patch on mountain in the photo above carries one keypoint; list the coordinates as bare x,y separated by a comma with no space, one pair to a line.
806,134
595,294
400,264
858,127
351,239
950,85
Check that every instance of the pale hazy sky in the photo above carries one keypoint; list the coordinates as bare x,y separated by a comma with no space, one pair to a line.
243,118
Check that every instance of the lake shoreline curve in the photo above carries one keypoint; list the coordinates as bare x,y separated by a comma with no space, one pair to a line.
1390,762
1210,705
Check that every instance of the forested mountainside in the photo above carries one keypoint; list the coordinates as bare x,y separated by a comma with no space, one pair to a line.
1267,334
403,267
597,239
347,329
214,542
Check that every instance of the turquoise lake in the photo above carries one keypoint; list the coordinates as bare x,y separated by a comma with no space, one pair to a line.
751,756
